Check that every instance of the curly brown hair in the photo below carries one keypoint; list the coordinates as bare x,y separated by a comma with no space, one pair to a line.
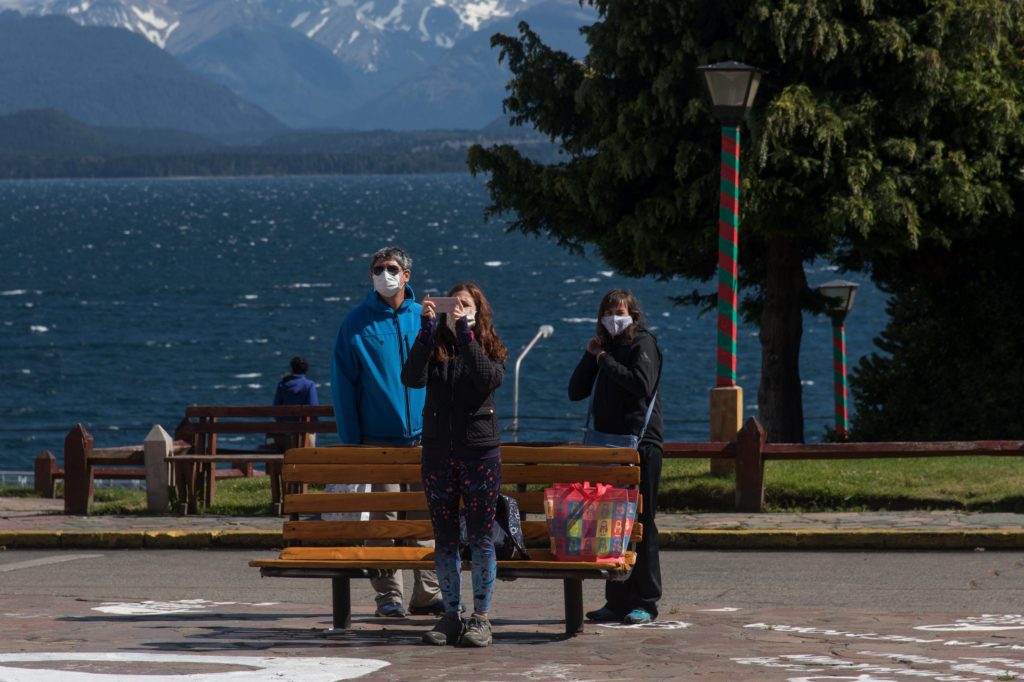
483,330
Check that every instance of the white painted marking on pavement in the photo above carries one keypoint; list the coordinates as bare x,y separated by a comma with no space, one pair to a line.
32,563
262,668
724,609
986,622
655,625
151,608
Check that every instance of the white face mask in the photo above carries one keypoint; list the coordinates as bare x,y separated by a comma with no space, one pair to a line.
470,317
616,324
386,284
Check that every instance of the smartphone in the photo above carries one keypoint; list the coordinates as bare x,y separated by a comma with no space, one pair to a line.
444,304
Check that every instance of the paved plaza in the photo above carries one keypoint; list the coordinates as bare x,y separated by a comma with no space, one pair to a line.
115,615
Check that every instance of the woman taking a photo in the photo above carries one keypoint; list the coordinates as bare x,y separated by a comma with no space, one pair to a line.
461,365
622,366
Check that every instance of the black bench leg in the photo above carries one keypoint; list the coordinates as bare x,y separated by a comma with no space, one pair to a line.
573,606
341,598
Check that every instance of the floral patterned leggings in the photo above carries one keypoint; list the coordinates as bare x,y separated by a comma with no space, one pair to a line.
446,479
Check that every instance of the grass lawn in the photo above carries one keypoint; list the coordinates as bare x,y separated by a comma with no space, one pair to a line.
962,483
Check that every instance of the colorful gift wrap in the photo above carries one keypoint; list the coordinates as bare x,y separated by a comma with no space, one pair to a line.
589,522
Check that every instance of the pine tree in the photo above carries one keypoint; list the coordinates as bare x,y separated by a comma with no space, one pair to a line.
881,126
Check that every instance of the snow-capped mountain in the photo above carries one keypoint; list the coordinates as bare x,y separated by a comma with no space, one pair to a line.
306,61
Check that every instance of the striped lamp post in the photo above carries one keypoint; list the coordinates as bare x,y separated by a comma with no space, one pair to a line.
839,296
728,247
733,87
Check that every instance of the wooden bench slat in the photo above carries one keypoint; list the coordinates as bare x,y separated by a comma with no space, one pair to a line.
333,557
418,557
192,428
521,454
351,473
353,455
346,531
410,473
510,454
531,502
259,410
548,474
241,459
320,503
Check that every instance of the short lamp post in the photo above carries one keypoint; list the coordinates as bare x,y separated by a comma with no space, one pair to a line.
839,295
733,87
543,332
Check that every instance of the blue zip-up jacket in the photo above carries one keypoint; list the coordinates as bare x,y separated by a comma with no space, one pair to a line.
370,401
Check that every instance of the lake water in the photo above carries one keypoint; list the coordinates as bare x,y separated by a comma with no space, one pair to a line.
123,301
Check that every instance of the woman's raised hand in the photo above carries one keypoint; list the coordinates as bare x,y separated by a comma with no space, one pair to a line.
428,308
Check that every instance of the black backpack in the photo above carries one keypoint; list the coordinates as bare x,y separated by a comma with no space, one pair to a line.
507,531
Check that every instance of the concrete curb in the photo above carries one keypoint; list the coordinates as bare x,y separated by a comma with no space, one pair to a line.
865,539
842,539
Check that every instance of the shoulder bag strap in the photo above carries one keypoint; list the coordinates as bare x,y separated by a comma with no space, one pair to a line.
654,396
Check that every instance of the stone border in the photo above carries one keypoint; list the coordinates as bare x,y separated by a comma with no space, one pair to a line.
864,539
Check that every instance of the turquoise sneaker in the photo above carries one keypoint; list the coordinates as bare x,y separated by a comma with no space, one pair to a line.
637,617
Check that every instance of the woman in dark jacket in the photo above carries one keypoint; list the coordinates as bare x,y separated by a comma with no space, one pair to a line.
622,366
461,368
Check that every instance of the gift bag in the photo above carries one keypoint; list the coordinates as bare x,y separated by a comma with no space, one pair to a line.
589,522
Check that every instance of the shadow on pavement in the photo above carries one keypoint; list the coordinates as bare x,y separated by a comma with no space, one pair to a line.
182,617
211,639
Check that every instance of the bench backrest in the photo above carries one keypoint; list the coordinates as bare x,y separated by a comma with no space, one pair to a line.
203,423
527,466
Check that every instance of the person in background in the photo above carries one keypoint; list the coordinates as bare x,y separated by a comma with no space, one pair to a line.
622,365
372,407
461,369
296,388
293,389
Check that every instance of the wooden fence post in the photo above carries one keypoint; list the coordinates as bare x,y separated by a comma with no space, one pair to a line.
750,467
45,468
77,472
156,448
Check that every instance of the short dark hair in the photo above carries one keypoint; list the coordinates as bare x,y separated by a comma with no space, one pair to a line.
299,365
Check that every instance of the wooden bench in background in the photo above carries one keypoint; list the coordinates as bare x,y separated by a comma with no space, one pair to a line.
324,549
196,473
83,464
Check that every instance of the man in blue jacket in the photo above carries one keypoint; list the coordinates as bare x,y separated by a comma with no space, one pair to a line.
373,407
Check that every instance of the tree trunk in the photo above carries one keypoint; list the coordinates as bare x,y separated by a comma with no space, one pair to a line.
779,398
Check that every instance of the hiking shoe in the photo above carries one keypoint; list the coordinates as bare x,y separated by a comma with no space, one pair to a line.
603,614
434,608
637,617
391,609
449,630
478,631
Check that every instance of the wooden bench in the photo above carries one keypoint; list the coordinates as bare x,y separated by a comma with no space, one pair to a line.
83,464
331,549
196,473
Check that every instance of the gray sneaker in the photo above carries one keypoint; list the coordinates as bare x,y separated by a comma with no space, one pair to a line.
449,630
478,632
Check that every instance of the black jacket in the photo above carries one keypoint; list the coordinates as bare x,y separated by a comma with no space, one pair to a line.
459,412
629,375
